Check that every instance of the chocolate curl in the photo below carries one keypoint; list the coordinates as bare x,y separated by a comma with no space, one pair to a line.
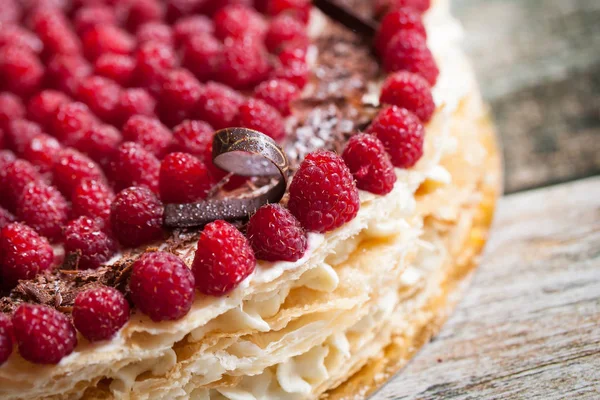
346,16
243,152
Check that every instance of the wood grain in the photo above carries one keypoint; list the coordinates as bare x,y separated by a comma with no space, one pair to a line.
529,326
539,67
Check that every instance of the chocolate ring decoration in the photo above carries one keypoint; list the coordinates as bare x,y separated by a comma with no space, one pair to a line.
240,151
347,17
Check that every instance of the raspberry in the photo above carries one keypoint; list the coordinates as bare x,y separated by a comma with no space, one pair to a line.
293,51
13,179
20,133
86,237
92,198
6,338
180,8
100,143
382,7
188,27
23,254
65,71
276,235
401,133
194,137
223,259
218,105
153,61
143,11
278,93
162,286
118,67
149,133
258,115
237,21
242,63
43,208
72,167
6,158
136,216
101,95
15,35
106,39
100,312
179,95
183,179
11,108
156,32
90,16
20,70
42,107
407,50
11,12
369,163
6,218
201,54
298,8
135,166
394,22
43,334
71,119
55,32
42,152
410,91
323,195
136,102
211,7
295,72
283,29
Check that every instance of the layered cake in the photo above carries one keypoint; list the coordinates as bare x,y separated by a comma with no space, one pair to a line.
233,200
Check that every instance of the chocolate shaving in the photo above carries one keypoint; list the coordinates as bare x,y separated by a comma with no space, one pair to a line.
347,17
244,152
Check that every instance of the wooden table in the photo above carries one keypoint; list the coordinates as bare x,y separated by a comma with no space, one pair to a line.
529,325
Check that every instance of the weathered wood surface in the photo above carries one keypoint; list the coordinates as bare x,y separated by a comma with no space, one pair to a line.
529,325
538,63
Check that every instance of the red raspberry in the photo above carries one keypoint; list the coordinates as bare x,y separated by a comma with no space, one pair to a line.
293,51
298,8
136,102
20,70
6,158
258,115
100,312
369,163
55,32
95,15
60,6
401,133
136,216
86,237
43,334
218,105
179,96
183,179
180,8
11,12
143,11
70,120
396,21
23,254
43,208
20,133
101,95
106,39
135,166
11,107
194,137
295,72
201,54
193,25
149,133
153,61
42,107
407,50
162,286
15,35
6,218
6,338
156,32
323,195
100,143
276,235
118,67
211,7
223,259
65,71
382,7
72,167
278,93
92,198
410,91
282,30
242,63
13,179
238,21
42,151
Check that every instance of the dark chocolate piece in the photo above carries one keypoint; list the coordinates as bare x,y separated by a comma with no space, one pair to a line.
242,152
347,17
